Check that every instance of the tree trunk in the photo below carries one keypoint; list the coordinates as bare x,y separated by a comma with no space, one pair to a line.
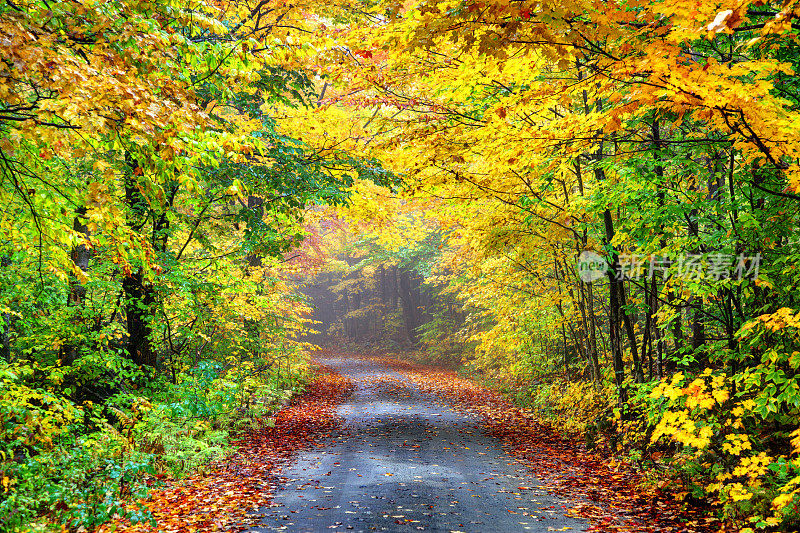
80,256
638,374
588,333
139,297
139,306
382,283
614,304
615,294
410,305
677,328
395,291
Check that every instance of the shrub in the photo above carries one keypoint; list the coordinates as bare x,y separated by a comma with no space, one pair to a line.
54,465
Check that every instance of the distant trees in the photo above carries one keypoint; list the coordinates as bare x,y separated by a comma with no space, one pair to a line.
366,294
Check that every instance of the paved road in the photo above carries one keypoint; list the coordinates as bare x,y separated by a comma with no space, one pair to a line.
406,462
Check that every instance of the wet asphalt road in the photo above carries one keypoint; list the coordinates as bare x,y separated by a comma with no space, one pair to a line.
406,462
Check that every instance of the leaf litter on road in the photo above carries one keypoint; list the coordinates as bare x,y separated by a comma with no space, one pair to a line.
611,493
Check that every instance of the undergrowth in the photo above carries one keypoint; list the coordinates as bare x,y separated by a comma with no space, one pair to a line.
71,464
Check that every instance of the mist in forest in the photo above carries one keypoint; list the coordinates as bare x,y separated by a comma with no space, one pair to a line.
387,306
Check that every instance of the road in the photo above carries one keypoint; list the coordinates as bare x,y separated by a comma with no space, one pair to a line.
405,461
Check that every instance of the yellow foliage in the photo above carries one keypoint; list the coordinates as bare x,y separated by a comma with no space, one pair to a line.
40,415
737,492
696,418
579,403
736,443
